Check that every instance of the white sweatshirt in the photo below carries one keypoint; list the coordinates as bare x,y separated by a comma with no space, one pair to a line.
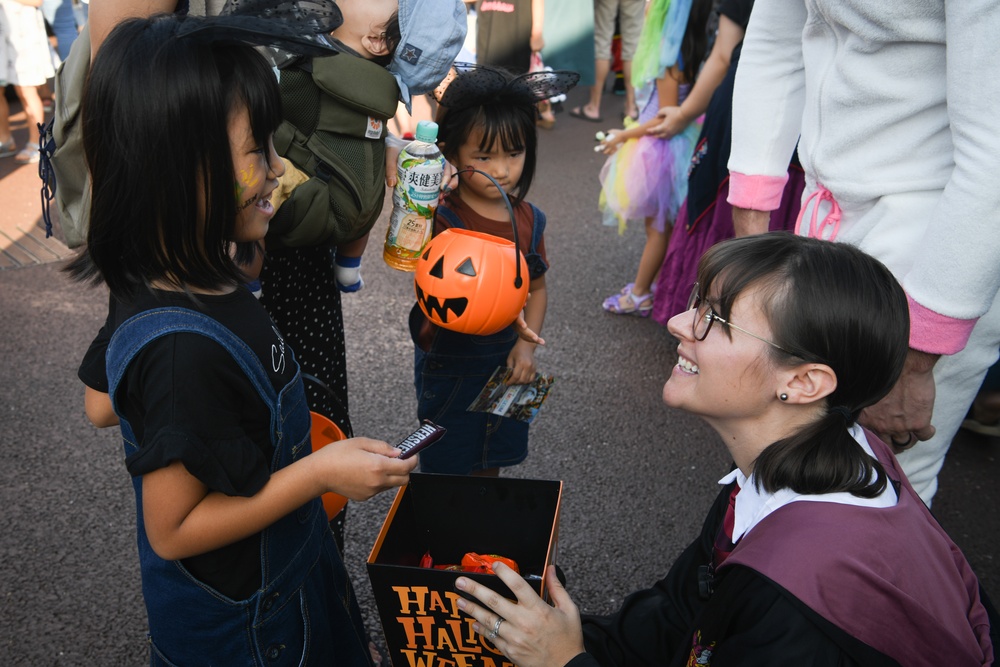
898,107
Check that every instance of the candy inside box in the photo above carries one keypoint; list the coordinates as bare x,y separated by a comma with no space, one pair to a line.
449,516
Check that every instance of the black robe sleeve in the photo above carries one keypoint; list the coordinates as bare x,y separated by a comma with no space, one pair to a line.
653,623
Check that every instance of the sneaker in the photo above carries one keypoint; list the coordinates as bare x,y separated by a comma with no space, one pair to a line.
8,148
28,154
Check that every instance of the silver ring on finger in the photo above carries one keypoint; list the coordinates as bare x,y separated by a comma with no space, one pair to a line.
496,628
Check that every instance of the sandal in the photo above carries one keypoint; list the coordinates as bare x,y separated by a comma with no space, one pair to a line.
8,148
28,155
625,303
579,112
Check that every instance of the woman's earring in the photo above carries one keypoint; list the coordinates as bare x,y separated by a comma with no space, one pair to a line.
783,397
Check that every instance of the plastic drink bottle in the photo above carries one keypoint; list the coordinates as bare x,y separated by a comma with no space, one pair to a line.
419,170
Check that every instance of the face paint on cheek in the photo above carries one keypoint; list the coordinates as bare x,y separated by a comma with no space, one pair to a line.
246,203
249,177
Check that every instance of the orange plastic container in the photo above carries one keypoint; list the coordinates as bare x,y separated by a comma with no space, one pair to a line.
322,433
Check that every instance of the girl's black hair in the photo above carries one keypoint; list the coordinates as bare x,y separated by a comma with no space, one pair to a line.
156,111
694,44
504,114
827,303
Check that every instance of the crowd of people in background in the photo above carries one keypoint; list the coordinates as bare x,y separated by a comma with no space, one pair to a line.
742,118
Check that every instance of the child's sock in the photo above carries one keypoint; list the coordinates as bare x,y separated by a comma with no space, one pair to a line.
255,288
347,270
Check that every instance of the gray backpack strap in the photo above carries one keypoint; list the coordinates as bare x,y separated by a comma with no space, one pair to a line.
66,176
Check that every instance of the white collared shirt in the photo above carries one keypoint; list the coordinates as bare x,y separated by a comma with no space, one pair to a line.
752,506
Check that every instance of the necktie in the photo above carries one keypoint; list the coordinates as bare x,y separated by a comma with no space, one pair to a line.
724,540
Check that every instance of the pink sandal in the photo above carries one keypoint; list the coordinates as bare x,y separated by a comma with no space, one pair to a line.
626,303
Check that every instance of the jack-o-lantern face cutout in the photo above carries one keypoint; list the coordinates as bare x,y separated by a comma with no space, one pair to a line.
465,282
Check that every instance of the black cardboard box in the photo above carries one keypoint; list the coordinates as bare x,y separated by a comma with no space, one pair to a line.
448,516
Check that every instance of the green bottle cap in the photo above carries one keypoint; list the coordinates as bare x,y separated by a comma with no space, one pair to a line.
427,130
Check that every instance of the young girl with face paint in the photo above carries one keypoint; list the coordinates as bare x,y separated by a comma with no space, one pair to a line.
238,562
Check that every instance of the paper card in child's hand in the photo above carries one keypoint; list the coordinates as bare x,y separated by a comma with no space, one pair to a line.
516,401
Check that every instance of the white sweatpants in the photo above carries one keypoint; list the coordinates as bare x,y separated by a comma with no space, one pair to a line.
891,229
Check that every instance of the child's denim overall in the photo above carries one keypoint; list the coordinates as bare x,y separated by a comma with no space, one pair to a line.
452,373
305,612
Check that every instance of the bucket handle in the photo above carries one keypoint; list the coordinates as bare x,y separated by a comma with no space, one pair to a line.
518,280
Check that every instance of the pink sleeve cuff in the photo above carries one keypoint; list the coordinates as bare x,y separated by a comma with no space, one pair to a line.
758,193
935,333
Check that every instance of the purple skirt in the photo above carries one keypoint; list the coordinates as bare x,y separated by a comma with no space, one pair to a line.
689,241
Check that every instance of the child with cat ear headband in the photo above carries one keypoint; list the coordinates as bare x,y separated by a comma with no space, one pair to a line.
487,131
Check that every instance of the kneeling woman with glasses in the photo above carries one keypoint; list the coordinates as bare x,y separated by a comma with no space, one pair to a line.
817,551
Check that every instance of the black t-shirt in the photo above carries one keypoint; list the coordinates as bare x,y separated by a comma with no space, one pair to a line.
188,400
738,11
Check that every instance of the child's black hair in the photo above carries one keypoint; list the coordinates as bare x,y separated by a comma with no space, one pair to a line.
505,115
156,112
694,44
393,35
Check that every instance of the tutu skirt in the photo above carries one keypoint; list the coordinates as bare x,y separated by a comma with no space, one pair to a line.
647,178
692,238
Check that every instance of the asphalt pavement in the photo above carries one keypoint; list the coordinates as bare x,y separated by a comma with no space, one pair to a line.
638,476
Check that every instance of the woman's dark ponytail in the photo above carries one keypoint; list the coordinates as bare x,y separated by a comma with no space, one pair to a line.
821,458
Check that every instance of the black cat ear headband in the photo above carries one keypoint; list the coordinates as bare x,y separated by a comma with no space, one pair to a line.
298,26
476,85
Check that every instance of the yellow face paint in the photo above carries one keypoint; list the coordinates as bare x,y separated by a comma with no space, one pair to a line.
248,179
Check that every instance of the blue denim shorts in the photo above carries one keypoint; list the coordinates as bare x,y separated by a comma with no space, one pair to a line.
448,378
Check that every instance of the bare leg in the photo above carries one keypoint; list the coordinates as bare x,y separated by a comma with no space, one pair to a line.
630,108
32,104
652,257
5,136
601,69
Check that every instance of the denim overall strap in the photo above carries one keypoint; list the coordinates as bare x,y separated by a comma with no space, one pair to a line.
536,265
142,329
450,217
305,610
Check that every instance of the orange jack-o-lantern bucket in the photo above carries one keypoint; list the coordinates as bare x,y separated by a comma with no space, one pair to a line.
469,281
322,433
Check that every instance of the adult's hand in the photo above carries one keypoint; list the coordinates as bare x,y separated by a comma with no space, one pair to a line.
392,151
747,222
903,417
532,633
672,122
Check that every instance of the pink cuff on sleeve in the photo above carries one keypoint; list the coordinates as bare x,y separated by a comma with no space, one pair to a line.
935,333
758,193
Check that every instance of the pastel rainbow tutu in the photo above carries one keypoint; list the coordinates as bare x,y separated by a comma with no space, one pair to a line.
647,178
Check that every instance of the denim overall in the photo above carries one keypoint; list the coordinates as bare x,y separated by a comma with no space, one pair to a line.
452,373
305,612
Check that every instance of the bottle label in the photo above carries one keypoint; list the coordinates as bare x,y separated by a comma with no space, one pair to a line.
409,231
419,179
414,200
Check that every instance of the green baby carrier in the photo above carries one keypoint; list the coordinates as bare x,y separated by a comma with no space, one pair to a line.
335,113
